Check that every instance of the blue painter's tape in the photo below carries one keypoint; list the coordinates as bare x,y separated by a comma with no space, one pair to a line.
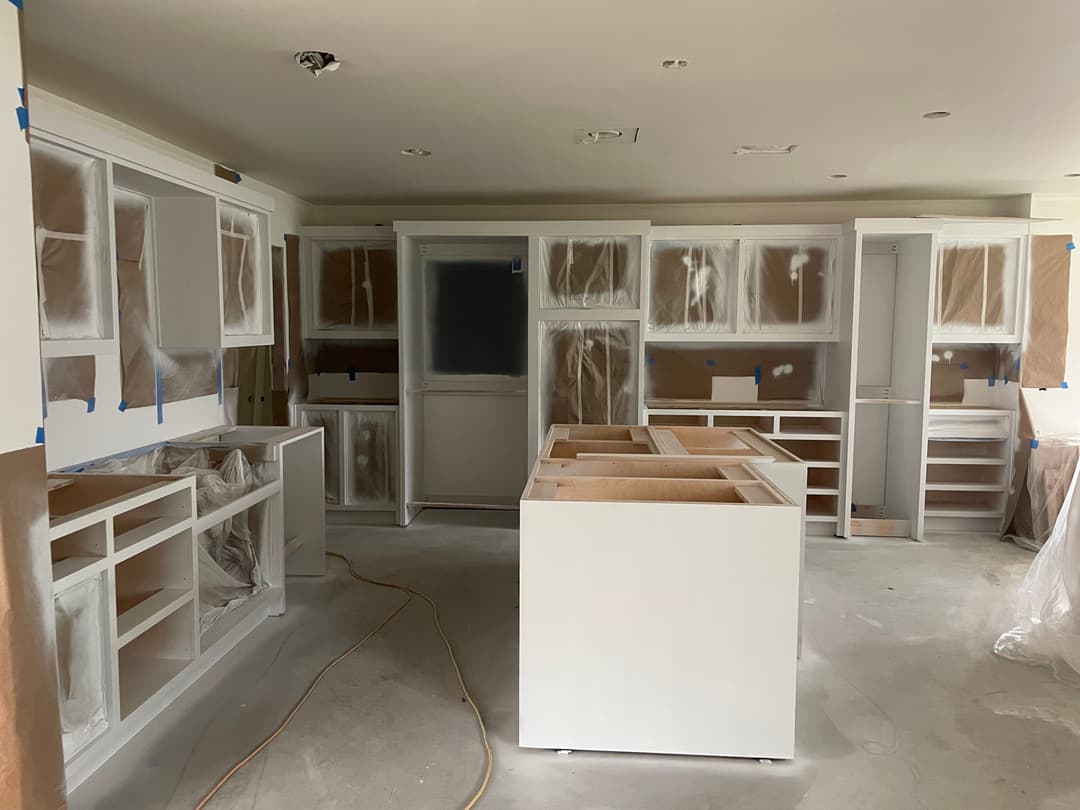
515,264
91,404
17,4
1016,365
990,381
1034,443
39,438
963,365
288,364
22,96
1070,245
710,362
650,361
119,315
23,116
352,375
81,469
160,404
238,178
123,405
1005,380
853,509
220,382
757,375
1064,384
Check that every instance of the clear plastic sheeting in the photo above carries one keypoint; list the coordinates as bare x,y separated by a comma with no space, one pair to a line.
789,286
80,646
590,373
68,222
222,475
371,458
187,374
976,285
329,421
1047,630
692,286
355,285
590,273
1050,470
769,372
229,570
242,249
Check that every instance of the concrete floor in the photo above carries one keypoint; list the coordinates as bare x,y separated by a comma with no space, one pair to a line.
901,703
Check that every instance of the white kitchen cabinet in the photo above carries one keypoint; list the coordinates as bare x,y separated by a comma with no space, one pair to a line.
360,453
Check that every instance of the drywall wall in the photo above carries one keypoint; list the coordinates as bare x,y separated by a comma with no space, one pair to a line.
19,303
733,213
74,434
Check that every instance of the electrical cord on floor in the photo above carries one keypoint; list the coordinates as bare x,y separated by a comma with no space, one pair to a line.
409,594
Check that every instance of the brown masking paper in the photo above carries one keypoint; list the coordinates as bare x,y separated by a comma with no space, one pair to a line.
31,753
70,378
1048,323
356,288
589,273
296,364
279,350
787,371
953,363
962,269
590,373
692,286
137,341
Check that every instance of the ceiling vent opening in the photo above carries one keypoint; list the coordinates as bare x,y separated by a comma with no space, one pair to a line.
765,149
317,62
606,136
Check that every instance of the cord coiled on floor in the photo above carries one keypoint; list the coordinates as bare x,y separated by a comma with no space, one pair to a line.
409,594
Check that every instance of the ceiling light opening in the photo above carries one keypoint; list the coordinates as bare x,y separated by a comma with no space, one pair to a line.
838,176
937,114
674,64
416,151
610,135
1072,174
765,149
317,62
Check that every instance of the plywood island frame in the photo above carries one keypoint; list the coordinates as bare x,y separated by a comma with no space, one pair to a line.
639,545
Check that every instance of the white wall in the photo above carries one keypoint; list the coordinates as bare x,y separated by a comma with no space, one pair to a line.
73,435
20,414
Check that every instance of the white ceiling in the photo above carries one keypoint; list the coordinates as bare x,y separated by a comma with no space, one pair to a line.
496,88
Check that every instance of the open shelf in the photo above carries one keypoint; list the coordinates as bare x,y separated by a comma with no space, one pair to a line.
135,618
153,584
963,486
966,461
80,552
150,661
241,504
146,525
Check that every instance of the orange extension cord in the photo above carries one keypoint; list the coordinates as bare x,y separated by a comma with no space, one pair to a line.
409,594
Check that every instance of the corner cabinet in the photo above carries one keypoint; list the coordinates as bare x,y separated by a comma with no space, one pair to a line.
979,283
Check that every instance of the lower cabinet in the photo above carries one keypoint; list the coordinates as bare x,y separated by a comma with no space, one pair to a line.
359,454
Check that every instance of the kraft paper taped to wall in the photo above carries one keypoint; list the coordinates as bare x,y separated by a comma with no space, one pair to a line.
1048,324
70,378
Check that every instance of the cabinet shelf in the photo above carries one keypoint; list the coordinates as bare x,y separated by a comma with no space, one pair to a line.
136,619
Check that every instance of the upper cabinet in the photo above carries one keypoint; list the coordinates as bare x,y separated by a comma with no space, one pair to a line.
350,283
590,272
245,274
789,286
71,228
693,286
978,287
742,283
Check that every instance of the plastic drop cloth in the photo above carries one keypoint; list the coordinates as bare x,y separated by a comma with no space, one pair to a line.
590,373
242,252
1049,474
229,570
1047,631
68,191
590,273
80,649
789,285
329,421
692,286
976,285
